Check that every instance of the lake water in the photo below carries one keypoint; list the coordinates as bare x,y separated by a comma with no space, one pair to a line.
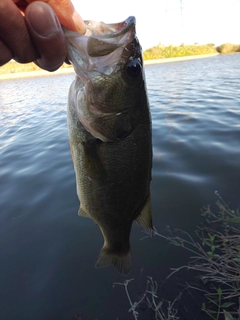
47,252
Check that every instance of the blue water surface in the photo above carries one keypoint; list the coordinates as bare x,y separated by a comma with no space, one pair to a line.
47,252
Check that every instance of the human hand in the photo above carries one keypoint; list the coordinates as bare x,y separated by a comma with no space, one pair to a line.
32,32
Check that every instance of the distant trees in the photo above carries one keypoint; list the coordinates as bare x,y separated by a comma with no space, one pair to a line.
228,48
160,51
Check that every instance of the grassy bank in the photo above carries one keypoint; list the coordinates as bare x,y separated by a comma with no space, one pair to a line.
154,53
14,67
162,52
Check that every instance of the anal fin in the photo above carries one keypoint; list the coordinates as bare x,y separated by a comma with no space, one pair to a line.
83,213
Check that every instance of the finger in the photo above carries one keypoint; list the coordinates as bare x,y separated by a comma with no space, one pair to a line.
22,4
47,35
14,33
67,15
6,54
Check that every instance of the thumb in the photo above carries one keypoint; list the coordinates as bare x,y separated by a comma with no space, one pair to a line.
67,15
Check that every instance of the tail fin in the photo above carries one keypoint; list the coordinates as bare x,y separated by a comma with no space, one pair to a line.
121,262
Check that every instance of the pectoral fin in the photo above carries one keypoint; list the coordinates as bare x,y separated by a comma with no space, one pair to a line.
93,163
144,219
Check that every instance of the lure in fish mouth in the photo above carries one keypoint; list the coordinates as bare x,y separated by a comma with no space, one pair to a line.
109,128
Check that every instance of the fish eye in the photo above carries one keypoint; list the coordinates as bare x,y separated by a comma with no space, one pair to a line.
134,68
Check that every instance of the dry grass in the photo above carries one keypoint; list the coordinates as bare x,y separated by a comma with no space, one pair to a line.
162,309
215,257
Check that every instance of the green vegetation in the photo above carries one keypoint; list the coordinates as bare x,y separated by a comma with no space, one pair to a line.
161,52
14,67
215,257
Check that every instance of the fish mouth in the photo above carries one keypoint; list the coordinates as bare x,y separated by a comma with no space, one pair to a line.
106,38
100,49
101,59
112,30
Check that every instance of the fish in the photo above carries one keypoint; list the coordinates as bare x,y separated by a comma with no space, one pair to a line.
109,127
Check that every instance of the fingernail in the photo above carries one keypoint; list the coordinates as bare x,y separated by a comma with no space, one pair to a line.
79,23
42,20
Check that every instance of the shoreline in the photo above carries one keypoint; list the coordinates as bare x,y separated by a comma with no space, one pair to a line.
167,60
40,73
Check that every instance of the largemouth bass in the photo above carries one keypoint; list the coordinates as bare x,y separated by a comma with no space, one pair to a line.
110,134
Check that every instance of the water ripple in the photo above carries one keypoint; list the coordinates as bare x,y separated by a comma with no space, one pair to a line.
196,133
